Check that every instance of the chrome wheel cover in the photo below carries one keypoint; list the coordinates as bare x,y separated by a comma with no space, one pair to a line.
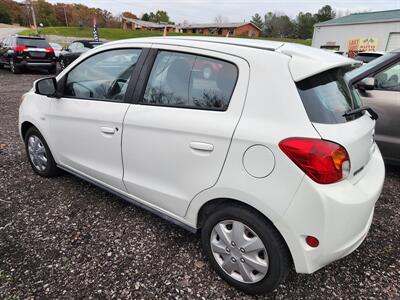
239,251
37,153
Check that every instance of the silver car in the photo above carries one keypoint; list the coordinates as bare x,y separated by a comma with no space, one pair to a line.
378,85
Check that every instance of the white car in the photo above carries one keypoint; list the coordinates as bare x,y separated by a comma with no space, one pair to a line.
269,153
57,49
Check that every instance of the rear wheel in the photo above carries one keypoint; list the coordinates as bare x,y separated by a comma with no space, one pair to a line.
39,154
53,70
13,68
245,249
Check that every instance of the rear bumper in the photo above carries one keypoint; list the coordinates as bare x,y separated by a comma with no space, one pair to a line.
339,215
26,64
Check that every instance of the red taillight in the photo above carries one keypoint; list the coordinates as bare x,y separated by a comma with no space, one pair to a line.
323,161
20,49
49,49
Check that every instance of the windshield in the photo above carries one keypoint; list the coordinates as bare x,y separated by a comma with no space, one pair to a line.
326,97
32,43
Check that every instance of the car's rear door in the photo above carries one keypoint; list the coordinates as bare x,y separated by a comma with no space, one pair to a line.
385,100
178,132
86,122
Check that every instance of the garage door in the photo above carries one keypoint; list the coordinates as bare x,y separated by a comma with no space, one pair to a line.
393,42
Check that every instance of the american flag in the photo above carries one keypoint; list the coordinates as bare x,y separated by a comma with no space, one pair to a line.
95,32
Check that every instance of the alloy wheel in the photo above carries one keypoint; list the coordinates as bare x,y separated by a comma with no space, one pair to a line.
37,153
239,251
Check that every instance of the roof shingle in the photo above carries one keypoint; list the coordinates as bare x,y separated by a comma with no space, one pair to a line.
368,17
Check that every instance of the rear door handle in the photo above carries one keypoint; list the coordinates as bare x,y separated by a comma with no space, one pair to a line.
108,130
202,146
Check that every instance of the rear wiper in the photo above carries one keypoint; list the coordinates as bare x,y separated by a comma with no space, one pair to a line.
374,115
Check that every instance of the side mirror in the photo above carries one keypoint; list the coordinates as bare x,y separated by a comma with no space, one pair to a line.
46,87
367,84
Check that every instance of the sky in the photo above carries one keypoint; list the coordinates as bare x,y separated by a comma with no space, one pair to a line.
205,11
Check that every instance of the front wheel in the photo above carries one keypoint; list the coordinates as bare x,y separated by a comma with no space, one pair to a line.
245,249
39,154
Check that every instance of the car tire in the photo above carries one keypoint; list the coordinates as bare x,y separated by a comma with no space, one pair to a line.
39,154
273,262
13,68
53,70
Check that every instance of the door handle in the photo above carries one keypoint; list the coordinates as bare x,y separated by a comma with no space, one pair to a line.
202,146
108,130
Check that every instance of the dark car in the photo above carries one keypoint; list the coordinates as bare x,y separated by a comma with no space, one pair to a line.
75,49
368,56
20,52
378,84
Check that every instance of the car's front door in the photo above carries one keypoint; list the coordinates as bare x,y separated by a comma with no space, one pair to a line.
86,122
177,136
385,100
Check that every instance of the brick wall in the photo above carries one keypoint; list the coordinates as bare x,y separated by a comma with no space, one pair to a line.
247,30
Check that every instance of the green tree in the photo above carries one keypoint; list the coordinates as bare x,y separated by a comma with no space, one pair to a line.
146,17
305,25
278,25
162,16
46,13
257,20
324,14
5,16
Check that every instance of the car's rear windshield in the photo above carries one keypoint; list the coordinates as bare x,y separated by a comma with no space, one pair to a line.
32,43
326,97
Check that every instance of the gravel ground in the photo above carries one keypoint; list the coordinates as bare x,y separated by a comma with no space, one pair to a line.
64,238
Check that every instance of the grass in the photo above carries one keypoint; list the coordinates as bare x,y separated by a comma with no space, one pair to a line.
118,34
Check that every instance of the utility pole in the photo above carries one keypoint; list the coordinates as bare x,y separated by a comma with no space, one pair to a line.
65,15
29,3
28,14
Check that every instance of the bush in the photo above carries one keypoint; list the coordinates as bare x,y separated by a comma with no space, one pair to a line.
5,16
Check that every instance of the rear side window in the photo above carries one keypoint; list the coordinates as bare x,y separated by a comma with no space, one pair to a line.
32,43
185,80
326,97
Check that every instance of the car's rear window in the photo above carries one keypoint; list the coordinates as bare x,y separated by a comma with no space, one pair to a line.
326,97
32,43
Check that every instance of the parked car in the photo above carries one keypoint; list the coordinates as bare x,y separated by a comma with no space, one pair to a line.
379,87
271,158
57,49
74,50
368,56
20,52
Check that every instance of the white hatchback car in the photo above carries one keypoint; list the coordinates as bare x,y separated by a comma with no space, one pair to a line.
260,145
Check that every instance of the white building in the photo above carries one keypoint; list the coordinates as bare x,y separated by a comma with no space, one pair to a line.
371,31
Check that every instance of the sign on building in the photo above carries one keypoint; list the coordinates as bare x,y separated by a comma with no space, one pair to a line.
356,45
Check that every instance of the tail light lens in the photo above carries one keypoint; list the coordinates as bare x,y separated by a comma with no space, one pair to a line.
20,49
49,49
323,161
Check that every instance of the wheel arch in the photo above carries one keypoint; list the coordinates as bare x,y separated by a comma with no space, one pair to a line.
24,128
213,204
